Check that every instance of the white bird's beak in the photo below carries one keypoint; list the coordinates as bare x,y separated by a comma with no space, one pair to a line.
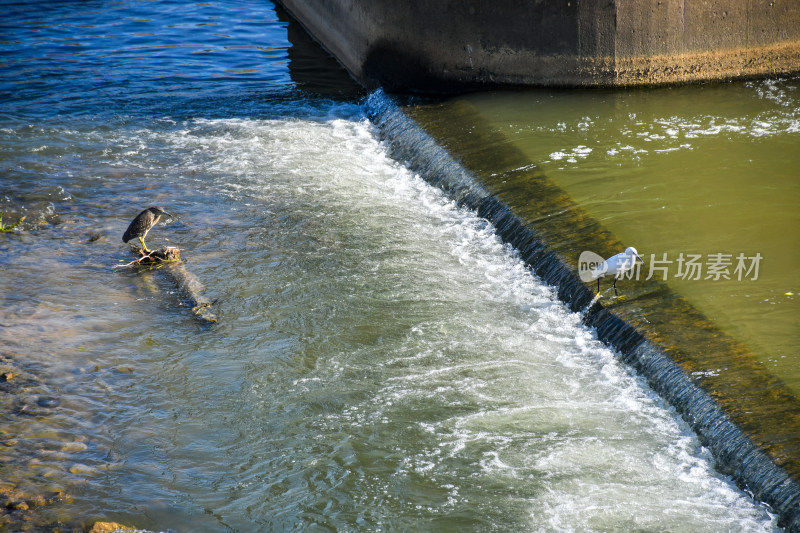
639,258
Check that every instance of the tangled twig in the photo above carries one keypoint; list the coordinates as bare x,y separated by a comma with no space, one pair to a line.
170,254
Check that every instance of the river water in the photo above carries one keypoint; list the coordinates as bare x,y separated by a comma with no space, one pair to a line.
705,171
382,360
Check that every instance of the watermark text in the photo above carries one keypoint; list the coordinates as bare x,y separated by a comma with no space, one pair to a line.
686,266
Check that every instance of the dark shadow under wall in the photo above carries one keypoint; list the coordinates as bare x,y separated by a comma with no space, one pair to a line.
313,69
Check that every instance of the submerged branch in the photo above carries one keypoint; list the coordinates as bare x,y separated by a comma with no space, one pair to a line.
170,258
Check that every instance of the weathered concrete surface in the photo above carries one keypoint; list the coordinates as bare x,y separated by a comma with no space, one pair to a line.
452,45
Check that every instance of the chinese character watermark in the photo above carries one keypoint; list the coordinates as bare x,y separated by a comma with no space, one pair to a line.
686,266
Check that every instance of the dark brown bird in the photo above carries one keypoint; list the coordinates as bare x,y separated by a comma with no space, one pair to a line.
142,224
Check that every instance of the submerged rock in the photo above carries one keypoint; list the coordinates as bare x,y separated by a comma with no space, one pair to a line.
109,527
48,401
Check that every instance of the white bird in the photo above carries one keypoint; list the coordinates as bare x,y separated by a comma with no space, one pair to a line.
616,266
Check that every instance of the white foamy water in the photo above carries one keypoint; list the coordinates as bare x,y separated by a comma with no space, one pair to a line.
450,386
383,361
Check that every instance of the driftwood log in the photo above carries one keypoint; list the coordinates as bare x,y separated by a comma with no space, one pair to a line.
170,259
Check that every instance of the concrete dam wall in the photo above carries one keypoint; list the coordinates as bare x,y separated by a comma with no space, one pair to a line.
455,45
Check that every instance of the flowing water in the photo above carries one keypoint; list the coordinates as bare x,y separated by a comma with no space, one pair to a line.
382,361
706,172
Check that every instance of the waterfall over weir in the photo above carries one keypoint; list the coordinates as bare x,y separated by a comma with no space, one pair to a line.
747,418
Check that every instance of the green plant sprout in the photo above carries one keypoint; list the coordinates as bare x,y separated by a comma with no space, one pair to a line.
9,227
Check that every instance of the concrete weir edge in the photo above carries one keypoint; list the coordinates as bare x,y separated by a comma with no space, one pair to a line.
734,452
452,46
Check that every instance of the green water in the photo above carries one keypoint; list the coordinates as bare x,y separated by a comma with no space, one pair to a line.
700,170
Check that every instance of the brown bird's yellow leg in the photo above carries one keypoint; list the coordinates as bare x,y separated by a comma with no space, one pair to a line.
144,247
